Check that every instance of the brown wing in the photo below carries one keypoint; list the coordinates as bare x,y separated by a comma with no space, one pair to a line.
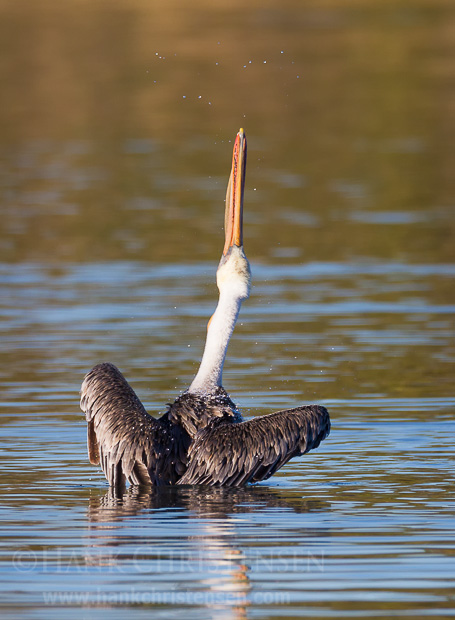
233,454
123,438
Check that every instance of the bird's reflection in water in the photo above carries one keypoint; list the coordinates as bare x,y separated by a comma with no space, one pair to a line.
199,536
202,501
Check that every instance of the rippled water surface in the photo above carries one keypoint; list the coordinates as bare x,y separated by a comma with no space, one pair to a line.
117,127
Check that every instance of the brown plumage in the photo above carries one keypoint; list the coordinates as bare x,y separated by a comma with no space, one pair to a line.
225,453
201,439
123,438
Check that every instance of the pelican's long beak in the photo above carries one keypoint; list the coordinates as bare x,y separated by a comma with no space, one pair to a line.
233,219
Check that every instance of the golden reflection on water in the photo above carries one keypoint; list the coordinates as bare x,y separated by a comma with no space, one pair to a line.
116,121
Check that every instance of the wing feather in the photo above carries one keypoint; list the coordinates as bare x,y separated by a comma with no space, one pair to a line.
232,454
123,438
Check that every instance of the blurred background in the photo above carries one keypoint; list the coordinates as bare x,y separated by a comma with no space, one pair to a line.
117,121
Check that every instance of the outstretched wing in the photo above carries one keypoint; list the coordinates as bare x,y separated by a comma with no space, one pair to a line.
233,454
123,438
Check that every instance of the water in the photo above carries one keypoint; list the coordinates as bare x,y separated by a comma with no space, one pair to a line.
362,526
112,179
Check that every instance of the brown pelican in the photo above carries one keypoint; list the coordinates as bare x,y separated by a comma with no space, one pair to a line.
201,439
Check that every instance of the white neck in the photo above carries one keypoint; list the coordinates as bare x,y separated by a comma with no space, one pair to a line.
219,333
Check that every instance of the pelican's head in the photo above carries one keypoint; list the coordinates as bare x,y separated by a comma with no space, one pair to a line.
233,275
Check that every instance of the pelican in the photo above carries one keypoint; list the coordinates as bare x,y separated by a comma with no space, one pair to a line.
201,438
